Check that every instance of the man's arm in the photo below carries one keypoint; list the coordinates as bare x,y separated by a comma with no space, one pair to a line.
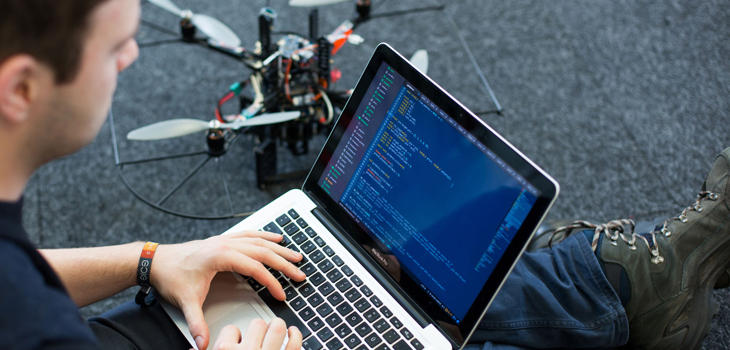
93,274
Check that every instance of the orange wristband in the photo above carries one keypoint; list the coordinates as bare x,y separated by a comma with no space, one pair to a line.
145,263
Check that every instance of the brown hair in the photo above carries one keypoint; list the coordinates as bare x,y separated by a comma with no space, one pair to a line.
52,31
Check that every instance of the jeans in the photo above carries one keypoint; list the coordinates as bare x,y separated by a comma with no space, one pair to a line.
554,298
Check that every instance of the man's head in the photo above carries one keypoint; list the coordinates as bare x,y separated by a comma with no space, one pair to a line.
59,62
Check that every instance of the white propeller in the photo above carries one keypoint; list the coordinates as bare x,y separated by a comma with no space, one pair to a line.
181,127
213,28
313,3
420,60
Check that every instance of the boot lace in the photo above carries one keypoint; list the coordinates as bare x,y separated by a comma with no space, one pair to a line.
624,229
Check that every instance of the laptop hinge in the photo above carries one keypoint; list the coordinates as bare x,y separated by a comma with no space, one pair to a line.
370,265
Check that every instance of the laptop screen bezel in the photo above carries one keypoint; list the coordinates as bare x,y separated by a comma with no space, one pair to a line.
545,185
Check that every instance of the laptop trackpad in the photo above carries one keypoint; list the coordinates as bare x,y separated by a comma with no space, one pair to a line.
239,317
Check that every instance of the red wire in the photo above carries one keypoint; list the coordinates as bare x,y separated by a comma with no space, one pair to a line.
223,100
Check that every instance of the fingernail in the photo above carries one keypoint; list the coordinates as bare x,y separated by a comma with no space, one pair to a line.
199,342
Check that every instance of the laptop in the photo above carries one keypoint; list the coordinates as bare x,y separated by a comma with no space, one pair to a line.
410,220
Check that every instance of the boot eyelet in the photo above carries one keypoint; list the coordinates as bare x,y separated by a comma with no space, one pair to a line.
614,243
698,208
713,196
667,233
632,247
657,260
683,218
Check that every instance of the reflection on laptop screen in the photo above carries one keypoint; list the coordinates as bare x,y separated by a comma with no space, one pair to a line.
401,172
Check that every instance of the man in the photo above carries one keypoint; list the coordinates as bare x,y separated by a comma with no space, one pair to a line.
59,61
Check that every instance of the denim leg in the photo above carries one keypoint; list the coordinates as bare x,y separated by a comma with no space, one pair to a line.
555,298
132,327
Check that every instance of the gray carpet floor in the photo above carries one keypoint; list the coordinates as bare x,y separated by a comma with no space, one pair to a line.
625,103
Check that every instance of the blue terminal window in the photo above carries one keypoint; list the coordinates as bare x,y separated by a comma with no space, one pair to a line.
427,191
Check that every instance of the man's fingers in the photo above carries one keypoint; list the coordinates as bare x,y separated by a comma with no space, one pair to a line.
295,339
255,334
196,323
269,236
275,335
229,335
247,266
272,259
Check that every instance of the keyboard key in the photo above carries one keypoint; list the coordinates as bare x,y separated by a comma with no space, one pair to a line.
335,299
381,326
363,347
365,290
353,295
373,340
271,227
310,232
301,262
343,330
325,334
255,284
316,324
275,273
298,303
317,279
306,314
376,301
299,238
363,329
285,241
326,265
326,289
353,319
406,333
352,341
306,290
334,344
337,260
302,223
356,280
372,315
324,310
291,293
311,344
308,247
308,269
293,213
347,270
382,347
315,300
417,344
281,309
333,320
283,282
293,247
316,256
386,312
328,250
320,242
344,309
391,336
343,285
283,220
334,275
297,283
362,305
396,322
402,345
290,229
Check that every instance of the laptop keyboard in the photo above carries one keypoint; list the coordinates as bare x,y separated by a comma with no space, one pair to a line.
332,308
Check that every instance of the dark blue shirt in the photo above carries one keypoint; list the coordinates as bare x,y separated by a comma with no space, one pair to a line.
36,312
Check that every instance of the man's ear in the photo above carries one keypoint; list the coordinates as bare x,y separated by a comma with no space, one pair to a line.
21,77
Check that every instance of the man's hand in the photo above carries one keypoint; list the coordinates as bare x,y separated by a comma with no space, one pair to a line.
259,336
182,273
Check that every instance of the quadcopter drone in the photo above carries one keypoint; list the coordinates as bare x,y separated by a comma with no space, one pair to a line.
287,98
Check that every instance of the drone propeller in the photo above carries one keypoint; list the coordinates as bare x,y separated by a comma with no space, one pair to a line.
313,3
420,60
181,127
213,28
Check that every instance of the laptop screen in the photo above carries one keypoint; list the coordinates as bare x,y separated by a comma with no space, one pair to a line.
427,191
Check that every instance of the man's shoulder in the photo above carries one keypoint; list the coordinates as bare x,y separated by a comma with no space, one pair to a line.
35,314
